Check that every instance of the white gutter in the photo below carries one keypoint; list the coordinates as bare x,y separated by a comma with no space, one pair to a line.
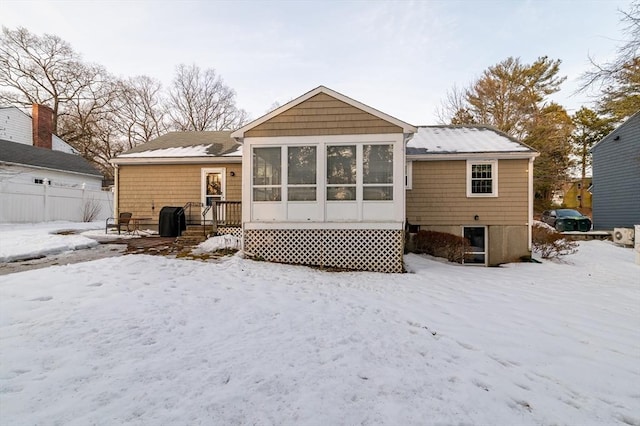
473,155
175,160
49,168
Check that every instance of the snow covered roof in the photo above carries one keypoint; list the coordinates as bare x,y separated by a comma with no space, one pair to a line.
463,140
187,144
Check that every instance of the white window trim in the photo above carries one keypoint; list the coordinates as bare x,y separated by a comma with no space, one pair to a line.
283,179
357,185
494,178
286,178
486,246
385,211
371,185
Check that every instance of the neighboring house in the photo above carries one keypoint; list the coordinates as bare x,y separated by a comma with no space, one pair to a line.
32,157
474,182
616,177
17,126
569,196
31,153
176,169
326,180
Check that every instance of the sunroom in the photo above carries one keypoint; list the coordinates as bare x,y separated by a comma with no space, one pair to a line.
324,184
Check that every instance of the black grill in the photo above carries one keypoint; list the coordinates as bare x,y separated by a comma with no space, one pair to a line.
172,221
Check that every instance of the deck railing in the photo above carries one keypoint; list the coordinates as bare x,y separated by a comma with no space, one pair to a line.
222,213
193,213
226,214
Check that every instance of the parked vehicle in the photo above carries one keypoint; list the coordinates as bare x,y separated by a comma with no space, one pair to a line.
567,220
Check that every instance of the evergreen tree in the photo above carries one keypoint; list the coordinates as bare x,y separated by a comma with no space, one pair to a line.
621,99
514,97
589,128
549,132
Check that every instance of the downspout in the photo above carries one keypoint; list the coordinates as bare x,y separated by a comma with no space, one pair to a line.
116,190
244,206
406,138
530,220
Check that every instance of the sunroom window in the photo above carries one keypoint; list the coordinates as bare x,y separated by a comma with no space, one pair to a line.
377,172
341,173
301,173
267,175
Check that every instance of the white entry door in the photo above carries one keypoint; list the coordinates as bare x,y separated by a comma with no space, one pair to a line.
213,188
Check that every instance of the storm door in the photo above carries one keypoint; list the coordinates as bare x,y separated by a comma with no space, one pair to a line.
213,190
476,253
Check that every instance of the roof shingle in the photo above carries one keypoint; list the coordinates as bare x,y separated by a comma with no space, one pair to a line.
17,153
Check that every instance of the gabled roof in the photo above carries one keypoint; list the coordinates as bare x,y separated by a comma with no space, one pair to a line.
21,154
628,122
447,140
406,127
186,145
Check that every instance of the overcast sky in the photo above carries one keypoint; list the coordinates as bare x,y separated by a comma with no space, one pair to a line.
399,57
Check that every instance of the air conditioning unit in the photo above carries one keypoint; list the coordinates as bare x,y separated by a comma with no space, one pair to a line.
624,236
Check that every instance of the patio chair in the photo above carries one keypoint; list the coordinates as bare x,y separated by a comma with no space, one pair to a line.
123,222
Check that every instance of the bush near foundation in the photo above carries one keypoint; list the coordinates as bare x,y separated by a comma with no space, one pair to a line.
440,244
550,243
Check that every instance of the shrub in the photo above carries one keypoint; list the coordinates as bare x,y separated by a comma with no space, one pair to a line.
90,210
550,243
441,244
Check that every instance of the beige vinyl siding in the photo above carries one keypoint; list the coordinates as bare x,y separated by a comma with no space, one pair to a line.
142,186
322,115
438,195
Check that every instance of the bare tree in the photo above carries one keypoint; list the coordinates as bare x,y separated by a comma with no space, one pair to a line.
90,123
44,70
607,74
199,100
454,108
141,110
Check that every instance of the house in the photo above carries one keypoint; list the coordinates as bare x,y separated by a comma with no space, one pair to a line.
17,126
326,180
616,177
30,152
180,169
41,177
475,182
573,195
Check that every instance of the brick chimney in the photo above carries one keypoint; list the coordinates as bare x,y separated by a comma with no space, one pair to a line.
42,119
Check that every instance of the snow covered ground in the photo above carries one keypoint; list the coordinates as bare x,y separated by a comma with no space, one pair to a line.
150,340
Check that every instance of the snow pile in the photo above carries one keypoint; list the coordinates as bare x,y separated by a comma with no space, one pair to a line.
150,340
27,241
219,242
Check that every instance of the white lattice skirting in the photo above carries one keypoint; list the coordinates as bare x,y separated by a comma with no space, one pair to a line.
378,250
236,231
